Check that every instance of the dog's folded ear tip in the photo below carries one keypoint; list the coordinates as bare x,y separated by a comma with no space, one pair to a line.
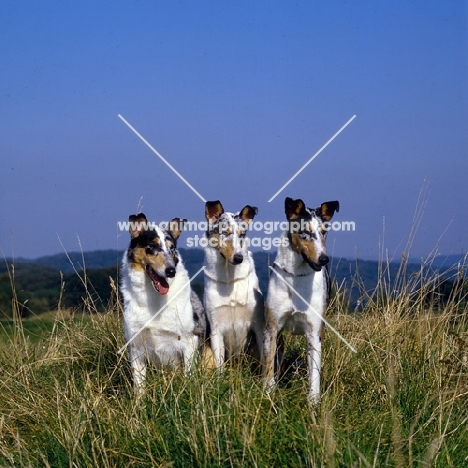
293,201
134,217
253,208
178,220
337,205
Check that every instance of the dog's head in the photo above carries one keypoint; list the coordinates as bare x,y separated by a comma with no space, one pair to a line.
154,250
307,230
227,231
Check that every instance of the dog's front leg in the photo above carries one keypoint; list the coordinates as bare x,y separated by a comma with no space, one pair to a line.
217,345
270,335
190,354
314,357
138,365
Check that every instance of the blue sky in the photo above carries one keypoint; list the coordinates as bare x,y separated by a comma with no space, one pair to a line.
237,96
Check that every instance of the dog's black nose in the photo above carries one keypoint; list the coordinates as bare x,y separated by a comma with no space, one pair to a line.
323,259
170,272
238,258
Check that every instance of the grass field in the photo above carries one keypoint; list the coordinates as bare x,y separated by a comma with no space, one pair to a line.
401,400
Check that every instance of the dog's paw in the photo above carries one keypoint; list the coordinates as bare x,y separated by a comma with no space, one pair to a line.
270,385
314,398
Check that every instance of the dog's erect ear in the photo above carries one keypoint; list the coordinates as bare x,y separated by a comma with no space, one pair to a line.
293,208
327,210
213,210
137,224
175,227
248,213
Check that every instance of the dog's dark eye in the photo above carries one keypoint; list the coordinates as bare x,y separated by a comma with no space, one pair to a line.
152,247
308,235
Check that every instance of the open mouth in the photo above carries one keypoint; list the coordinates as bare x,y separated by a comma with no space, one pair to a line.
159,283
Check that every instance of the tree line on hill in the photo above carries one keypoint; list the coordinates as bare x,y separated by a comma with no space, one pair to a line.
88,281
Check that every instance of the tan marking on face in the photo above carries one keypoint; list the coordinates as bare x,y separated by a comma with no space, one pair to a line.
227,249
303,247
157,262
139,259
213,239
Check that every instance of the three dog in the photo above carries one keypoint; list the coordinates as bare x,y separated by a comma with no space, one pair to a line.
155,289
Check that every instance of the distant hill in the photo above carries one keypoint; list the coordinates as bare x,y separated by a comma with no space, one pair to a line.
37,288
447,261
42,282
68,263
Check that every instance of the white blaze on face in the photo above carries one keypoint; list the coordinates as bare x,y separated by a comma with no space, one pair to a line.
236,240
228,239
317,237
162,252
158,253
308,241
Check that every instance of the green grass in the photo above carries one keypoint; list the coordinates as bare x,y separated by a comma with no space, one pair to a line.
32,329
401,400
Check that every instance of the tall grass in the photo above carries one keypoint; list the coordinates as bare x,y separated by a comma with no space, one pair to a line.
401,400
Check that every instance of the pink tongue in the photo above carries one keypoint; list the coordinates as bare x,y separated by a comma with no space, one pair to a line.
161,286
159,283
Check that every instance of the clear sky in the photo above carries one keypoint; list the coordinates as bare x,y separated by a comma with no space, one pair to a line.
237,96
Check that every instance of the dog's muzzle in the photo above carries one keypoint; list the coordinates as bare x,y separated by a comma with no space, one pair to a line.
323,260
160,283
